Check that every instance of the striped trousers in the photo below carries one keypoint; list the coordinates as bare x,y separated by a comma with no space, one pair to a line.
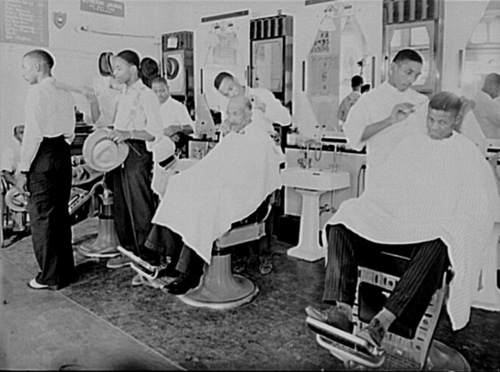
411,295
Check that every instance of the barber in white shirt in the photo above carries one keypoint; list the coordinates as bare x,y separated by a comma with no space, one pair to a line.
267,109
487,108
45,168
175,118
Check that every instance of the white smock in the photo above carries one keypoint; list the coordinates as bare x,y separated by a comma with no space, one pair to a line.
429,189
375,106
227,185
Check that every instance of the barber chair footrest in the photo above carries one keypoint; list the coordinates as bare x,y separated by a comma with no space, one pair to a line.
206,295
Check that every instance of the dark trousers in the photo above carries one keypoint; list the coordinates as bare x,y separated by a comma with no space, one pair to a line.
134,202
49,184
412,293
164,242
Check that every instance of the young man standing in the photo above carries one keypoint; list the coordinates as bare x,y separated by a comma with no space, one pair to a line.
45,170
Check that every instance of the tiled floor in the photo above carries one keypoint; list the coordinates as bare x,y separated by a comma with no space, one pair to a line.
270,333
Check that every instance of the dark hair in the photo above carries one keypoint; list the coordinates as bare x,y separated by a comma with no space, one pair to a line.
131,58
356,81
43,56
408,55
220,78
160,80
365,88
446,101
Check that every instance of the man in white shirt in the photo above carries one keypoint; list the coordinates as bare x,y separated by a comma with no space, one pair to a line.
487,108
45,170
266,107
384,116
351,98
174,115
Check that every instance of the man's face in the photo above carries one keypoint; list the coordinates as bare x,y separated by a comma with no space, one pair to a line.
404,74
440,124
30,68
230,88
238,116
122,70
161,91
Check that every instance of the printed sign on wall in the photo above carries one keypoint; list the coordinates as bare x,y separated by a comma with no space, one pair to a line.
24,22
108,7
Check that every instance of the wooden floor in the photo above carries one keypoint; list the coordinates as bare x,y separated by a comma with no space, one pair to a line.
269,333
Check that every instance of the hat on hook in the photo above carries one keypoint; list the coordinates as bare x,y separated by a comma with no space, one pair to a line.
172,68
15,200
105,65
149,68
101,153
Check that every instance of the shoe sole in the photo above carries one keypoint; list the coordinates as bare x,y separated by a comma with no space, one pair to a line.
101,255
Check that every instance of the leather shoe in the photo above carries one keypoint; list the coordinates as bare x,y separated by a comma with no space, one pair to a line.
182,284
33,284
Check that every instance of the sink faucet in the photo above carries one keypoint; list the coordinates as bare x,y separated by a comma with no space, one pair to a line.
305,161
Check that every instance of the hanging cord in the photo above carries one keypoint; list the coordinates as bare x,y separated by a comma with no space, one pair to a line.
316,152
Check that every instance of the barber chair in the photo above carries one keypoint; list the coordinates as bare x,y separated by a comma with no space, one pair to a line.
106,243
219,288
404,347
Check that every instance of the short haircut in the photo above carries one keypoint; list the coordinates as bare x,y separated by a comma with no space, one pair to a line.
159,80
220,78
43,56
365,87
492,78
356,81
131,57
408,55
446,101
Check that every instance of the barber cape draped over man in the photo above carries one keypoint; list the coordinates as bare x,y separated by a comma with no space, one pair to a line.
227,185
432,187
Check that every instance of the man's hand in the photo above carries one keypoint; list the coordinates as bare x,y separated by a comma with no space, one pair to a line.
400,112
119,136
21,184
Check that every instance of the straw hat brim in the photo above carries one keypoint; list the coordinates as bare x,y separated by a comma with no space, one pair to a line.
101,153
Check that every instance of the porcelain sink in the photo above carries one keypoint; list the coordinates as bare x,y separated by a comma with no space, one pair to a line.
315,179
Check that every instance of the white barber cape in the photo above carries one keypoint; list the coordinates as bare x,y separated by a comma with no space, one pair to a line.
430,189
227,185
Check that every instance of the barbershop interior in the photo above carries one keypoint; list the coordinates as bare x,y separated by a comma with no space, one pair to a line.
255,185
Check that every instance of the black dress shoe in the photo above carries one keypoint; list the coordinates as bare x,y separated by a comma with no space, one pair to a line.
182,284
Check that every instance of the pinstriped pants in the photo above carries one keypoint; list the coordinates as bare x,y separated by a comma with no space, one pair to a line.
413,292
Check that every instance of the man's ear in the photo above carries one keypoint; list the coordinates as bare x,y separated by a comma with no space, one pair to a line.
458,122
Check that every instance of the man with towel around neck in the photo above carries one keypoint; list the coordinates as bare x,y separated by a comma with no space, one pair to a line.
228,184
435,192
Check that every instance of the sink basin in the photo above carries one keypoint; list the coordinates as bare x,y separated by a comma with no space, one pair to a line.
315,179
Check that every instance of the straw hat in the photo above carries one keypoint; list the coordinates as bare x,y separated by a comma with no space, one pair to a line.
15,200
103,154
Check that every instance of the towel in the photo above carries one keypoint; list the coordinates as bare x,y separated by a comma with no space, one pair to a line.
430,189
227,185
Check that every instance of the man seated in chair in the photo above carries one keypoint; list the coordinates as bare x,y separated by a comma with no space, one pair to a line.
435,192
202,202
9,168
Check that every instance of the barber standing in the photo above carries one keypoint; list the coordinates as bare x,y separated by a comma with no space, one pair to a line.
45,170
138,124
384,116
